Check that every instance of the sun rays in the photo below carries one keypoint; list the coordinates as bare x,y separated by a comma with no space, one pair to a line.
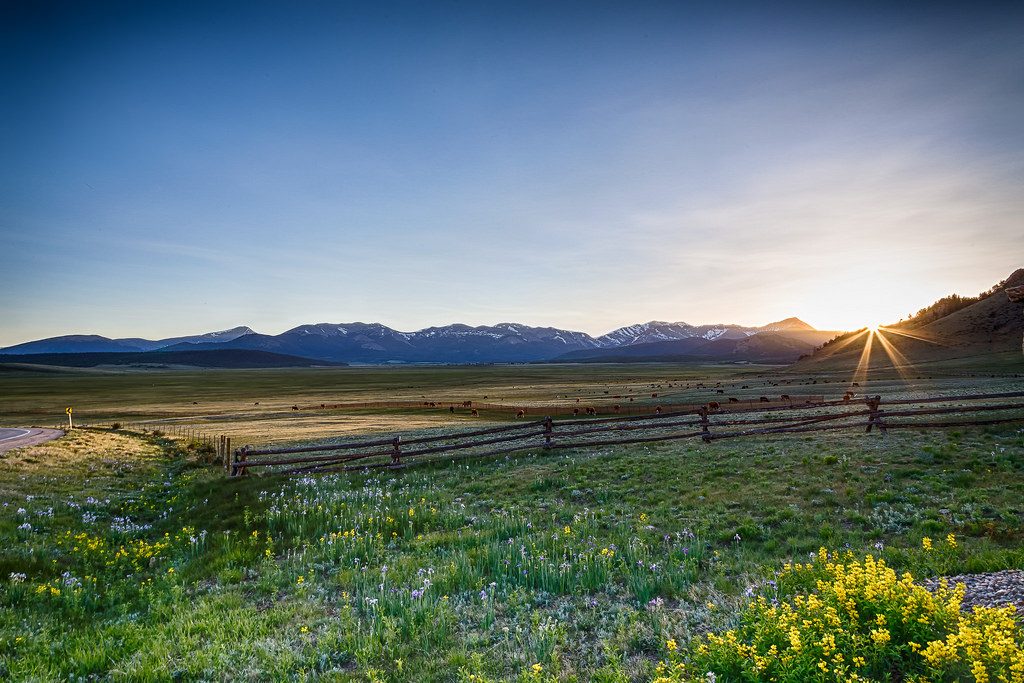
900,363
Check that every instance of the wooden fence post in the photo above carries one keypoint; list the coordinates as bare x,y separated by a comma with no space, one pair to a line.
875,418
396,451
549,429
227,453
705,425
241,455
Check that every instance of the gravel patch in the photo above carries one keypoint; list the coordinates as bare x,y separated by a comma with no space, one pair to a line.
995,589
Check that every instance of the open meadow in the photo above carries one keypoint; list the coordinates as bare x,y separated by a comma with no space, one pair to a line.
125,557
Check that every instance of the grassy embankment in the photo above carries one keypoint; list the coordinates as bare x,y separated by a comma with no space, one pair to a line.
122,558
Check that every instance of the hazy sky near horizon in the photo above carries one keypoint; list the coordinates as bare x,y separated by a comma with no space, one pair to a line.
174,168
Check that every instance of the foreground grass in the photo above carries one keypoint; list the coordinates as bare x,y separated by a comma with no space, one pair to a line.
123,559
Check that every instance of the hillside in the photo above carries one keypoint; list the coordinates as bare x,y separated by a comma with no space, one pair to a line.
991,325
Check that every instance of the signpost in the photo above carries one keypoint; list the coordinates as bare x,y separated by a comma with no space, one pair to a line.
71,425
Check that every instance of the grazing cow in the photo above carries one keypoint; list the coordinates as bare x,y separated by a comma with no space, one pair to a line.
657,411
733,400
575,412
591,411
719,391
616,408
474,413
295,407
467,404
856,384
256,403
785,397
714,405
654,395
451,409
520,414
323,405
765,399
744,387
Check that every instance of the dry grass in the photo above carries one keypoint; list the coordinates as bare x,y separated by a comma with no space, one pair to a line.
80,453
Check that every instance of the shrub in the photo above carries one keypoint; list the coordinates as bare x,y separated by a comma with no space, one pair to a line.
853,620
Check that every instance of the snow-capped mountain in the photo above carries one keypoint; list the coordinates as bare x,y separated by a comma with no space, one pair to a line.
376,343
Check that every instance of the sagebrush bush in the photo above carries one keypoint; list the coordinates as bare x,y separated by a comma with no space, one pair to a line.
856,620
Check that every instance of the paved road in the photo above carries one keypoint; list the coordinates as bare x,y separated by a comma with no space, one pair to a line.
19,438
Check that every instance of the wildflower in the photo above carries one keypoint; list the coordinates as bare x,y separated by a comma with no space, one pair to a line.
926,543
537,668
300,580
951,540
18,577
670,645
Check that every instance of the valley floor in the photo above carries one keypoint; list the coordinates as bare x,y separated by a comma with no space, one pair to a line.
124,558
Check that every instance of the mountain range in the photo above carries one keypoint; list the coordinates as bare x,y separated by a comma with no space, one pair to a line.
782,341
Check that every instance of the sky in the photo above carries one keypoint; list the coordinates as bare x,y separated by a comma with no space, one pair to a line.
177,168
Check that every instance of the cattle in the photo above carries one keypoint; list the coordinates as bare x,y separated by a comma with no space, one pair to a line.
714,405
474,413
520,414
323,405
295,407
451,409
575,412
195,403
616,408
733,400
719,391
785,397
857,384
467,404
765,399
256,403
657,411
654,395
591,411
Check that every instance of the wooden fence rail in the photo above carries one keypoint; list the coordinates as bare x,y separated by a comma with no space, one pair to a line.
709,423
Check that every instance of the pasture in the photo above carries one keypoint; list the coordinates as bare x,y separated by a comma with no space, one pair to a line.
125,558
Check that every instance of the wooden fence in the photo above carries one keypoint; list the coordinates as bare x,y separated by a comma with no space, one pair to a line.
707,423
220,443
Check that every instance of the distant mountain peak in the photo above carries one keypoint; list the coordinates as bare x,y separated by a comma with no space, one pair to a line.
786,324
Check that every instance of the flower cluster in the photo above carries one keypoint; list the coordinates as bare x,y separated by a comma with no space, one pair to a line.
857,620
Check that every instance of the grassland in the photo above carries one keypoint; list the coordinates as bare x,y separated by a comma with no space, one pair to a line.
255,406
124,557
139,564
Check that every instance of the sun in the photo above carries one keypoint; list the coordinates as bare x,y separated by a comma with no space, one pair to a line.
874,327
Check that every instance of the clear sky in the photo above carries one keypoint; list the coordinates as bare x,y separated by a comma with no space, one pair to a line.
174,168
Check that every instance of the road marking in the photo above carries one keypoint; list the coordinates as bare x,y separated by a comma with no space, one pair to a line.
17,436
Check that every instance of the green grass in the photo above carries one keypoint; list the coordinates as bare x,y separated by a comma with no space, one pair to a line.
583,562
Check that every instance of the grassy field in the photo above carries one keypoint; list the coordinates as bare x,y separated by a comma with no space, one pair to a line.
256,406
132,562
124,557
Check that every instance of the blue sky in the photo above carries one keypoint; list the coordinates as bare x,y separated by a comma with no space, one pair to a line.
172,169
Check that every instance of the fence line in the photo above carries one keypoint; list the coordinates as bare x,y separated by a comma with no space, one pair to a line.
220,443
703,422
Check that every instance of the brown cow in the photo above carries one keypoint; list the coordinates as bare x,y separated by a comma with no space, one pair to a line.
474,413
733,400
714,405
451,409
765,399
520,414
295,407
657,411
785,397
575,412
467,404
654,395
